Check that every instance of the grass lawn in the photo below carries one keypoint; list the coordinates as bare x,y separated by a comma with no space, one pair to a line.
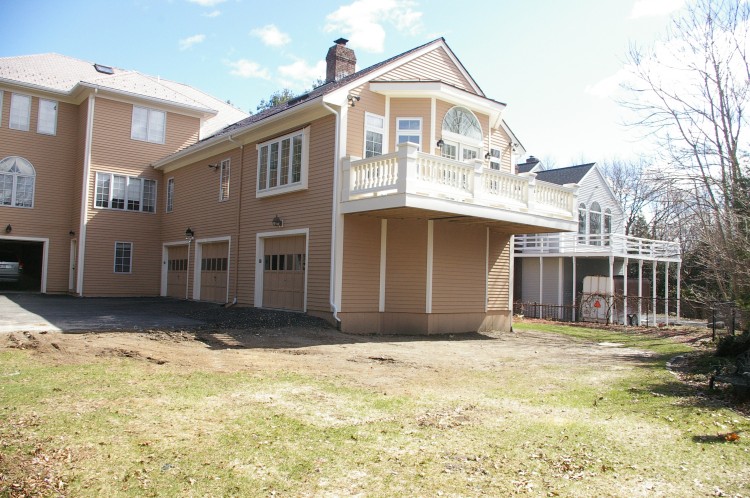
471,417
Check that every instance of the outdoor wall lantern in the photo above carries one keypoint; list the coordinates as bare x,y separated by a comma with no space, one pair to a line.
8,229
352,99
277,222
72,233
189,234
214,166
487,156
440,143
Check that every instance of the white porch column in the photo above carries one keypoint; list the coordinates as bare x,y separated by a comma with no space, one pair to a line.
541,280
640,290
560,285
383,255
625,294
428,291
653,291
574,288
678,289
666,292
611,290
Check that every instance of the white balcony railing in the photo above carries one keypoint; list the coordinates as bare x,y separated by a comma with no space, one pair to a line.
614,244
409,171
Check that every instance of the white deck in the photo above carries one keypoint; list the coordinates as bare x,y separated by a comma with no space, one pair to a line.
617,245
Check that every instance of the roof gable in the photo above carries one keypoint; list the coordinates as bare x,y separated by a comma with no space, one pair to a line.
435,65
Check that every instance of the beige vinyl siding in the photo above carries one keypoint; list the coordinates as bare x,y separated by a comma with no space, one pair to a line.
369,102
53,158
501,141
196,205
458,274
361,271
406,266
434,65
498,275
410,108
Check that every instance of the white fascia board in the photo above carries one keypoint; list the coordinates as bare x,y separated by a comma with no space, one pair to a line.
513,137
604,181
442,91
40,91
193,153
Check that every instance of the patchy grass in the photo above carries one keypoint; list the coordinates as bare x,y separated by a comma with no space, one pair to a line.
518,425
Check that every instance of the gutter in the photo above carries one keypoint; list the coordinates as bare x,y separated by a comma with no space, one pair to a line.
334,214
239,217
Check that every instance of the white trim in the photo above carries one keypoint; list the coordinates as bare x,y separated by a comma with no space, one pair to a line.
39,117
384,137
197,270
165,261
560,282
128,179
405,132
487,270
338,223
13,95
45,256
169,197
430,254
304,167
86,179
511,274
433,117
149,110
383,259
259,250
387,139
224,196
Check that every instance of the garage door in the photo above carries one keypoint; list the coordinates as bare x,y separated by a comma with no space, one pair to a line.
177,263
284,273
21,265
214,271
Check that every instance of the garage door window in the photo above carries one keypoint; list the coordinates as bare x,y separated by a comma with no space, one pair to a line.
17,177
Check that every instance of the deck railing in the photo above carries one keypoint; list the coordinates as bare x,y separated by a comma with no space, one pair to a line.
605,244
409,171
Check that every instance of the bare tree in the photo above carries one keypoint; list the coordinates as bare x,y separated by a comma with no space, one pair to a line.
691,92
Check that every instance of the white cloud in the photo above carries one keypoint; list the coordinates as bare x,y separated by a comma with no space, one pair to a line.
654,8
213,13
609,86
188,42
207,3
271,36
362,21
248,69
299,74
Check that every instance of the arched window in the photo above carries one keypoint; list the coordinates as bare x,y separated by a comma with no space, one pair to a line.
595,224
17,177
607,226
462,135
582,223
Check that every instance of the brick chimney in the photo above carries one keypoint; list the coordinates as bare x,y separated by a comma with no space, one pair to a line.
340,61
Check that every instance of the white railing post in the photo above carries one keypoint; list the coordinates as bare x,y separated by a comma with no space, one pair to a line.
407,166
477,189
346,178
530,197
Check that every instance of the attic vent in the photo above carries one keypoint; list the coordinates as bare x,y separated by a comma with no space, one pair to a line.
104,69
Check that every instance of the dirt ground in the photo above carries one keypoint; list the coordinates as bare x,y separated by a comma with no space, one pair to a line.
394,363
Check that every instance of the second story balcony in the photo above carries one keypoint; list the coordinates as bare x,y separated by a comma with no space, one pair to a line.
613,244
412,179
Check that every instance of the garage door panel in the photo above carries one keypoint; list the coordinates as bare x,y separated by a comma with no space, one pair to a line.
284,273
177,262
214,271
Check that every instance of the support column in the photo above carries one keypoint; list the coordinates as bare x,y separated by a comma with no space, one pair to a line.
640,291
625,294
560,284
574,288
611,291
383,254
541,280
679,297
666,292
653,290
428,290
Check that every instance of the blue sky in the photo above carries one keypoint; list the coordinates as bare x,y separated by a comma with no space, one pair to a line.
553,62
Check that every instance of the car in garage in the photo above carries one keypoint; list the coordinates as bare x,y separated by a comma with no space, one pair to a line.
11,267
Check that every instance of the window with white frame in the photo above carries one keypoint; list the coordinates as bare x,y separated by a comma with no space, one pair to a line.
47,119
224,181
595,224
607,226
409,130
123,257
170,194
495,159
582,222
283,163
374,133
20,112
462,135
17,178
125,193
148,125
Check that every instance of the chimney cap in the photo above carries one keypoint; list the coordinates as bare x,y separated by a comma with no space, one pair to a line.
341,41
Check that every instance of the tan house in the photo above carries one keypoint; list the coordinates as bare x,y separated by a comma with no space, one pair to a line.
384,200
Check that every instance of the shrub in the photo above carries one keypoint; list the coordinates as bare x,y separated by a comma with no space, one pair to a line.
733,345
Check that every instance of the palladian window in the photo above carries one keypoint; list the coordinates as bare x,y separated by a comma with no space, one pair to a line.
595,224
462,135
17,177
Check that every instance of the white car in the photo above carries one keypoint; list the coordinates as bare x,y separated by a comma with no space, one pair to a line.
10,267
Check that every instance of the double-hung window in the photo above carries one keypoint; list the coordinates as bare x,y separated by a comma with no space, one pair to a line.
495,159
374,133
148,125
125,193
47,122
123,257
409,130
170,194
20,112
224,181
283,163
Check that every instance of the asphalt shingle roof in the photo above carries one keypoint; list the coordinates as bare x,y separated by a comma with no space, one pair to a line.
561,176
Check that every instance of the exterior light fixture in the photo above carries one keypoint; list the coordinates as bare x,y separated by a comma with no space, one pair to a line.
214,166
440,143
189,234
8,229
72,233
277,222
352,99
487,156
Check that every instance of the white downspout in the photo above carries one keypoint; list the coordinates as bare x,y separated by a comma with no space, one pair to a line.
239,219
85,193
335,215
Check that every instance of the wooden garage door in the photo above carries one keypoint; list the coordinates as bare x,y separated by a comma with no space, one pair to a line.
214,271
177,262
284,273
